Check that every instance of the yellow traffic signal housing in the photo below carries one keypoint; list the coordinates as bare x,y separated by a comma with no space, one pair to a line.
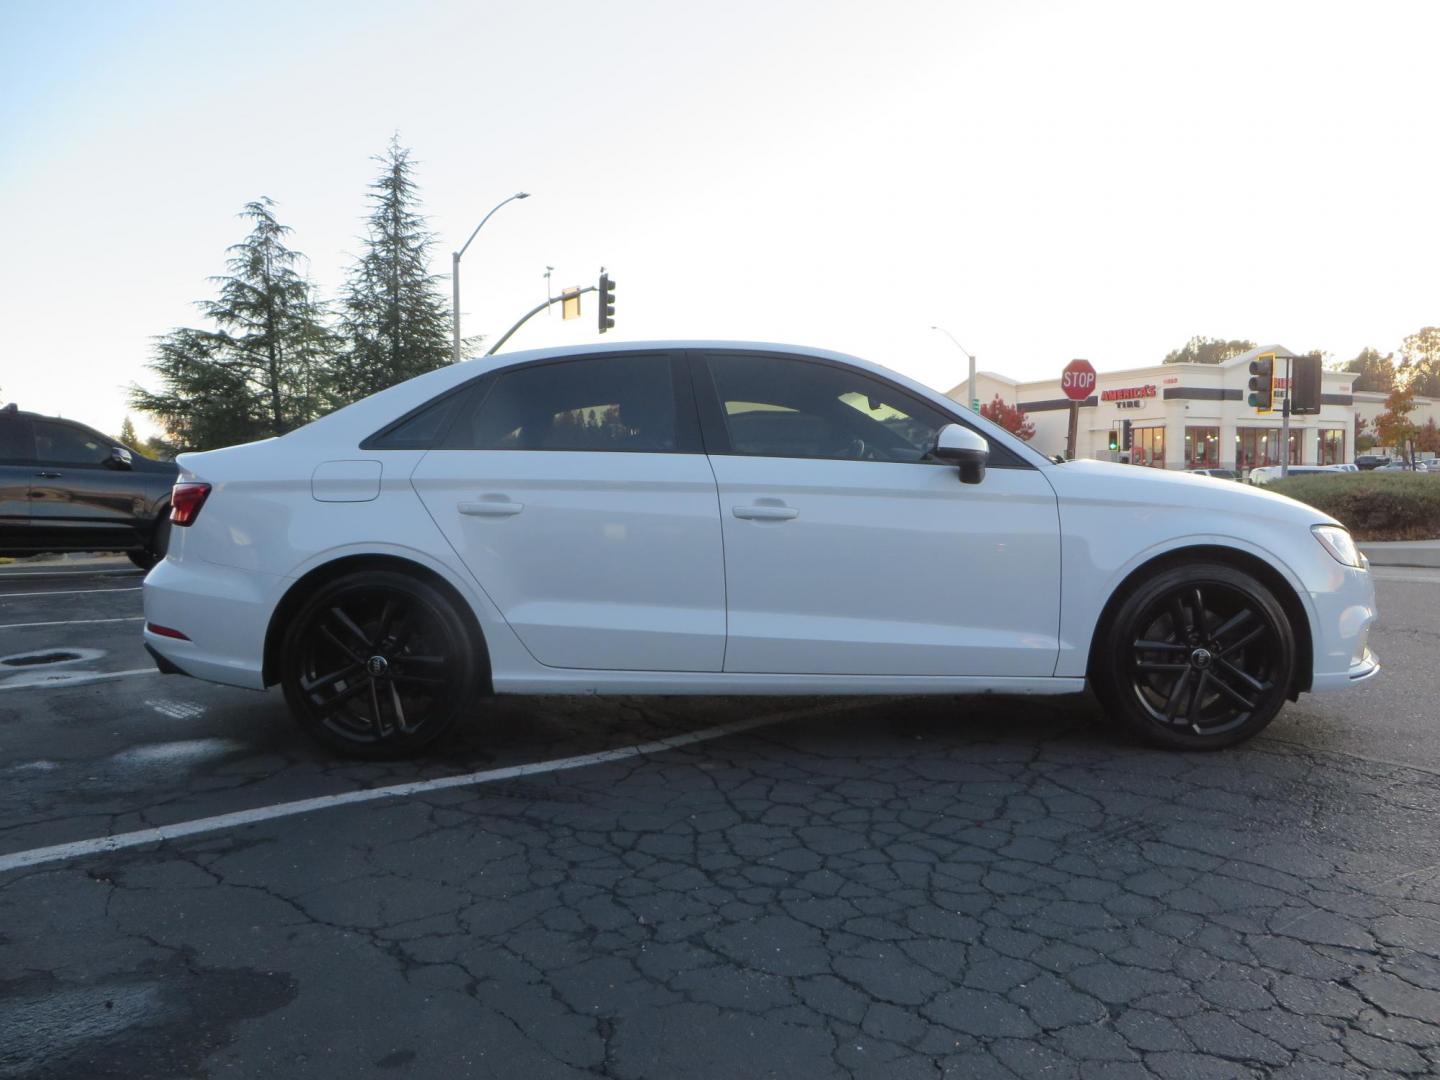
1262,382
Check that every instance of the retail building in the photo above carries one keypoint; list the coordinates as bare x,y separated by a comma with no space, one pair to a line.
1183,416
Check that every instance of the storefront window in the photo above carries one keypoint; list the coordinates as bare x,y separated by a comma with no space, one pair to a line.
1148,447
1202,447
1331,447
1257,446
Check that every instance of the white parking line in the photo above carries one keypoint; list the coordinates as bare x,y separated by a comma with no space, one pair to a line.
60,852
70,622
46,680
67,573
64,592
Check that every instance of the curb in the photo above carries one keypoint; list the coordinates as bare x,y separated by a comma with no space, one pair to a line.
1422,556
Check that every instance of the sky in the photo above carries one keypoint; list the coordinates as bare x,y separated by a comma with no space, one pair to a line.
1045,180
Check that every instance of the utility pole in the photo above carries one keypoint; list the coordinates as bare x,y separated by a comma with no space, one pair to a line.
1285,422
970,385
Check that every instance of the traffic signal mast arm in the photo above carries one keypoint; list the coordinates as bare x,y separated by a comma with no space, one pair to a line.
536,311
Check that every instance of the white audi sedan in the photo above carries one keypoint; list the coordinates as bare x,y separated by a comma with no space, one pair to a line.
724,518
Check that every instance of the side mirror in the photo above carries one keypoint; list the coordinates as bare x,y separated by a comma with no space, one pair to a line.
959,445
120,458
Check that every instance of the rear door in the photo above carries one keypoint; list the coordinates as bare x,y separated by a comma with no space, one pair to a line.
577,494
847,551
17,462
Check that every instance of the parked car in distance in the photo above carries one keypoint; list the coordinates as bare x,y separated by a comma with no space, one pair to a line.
1348,467
1266,474
1366,462
1218,474
728,518
66,487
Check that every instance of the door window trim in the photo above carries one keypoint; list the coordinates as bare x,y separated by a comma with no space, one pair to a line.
717,435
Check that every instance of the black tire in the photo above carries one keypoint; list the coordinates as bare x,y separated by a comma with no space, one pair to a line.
159,543
1197,657
378,664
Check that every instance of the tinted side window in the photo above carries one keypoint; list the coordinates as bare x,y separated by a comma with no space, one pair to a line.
15,444
423,428
66,444
603,403
778,407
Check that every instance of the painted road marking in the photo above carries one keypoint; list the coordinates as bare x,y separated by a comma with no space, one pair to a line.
69,622
67,573
32,680
18,860
64,592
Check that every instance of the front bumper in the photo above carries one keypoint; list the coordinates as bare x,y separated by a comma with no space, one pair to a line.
1344,613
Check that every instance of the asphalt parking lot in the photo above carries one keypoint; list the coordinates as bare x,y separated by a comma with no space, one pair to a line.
725,888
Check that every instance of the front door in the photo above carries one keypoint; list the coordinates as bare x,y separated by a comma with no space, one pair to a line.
847,552
576,493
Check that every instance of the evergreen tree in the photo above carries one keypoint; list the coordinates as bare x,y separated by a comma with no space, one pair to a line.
127,434
262,370
1376,372
395,318
1203,350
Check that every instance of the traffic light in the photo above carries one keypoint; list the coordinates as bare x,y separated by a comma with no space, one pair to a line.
1114,439
1262,382
1127,435
1304,391
607,303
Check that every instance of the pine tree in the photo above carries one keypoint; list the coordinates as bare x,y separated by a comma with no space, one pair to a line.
127,433
262,370
394,316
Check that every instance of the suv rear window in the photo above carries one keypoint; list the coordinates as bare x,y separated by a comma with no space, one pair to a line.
14,439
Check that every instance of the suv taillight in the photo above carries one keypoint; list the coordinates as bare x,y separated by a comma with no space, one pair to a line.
186,501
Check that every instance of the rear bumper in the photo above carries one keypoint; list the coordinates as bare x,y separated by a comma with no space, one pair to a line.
223,612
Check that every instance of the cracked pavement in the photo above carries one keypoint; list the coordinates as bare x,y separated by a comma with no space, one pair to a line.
920,887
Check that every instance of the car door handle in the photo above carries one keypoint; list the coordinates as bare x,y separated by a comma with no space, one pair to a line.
491,508
49,475
761,512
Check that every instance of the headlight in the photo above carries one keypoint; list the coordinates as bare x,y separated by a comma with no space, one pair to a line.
1338,543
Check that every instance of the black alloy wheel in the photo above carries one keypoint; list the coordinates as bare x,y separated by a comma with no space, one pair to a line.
378,665
1198,657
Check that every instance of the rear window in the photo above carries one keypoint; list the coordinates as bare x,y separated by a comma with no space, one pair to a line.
14,439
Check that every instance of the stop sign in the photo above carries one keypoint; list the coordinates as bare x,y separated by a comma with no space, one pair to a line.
1078,380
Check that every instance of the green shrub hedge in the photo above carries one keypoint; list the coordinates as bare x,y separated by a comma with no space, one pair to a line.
1373,506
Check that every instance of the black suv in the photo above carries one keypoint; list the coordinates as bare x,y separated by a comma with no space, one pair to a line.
66,487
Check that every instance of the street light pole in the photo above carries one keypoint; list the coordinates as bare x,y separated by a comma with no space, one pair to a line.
974,397
455,269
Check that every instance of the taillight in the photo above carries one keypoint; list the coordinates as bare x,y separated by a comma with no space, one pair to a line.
186,501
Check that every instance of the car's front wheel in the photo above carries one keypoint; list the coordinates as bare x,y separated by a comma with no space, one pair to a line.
378,664
1197,657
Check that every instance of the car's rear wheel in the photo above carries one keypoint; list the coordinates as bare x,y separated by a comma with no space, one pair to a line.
1198,657
159,544
378,664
